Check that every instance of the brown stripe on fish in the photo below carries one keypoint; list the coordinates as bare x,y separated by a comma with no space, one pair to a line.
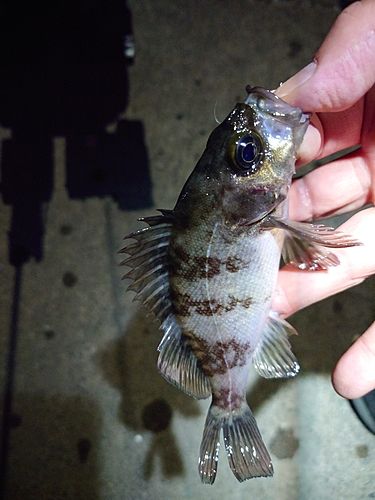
180,253
193,268
185,305
219,357
234,264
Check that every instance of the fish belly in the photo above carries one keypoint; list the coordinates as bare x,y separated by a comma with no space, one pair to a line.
222,292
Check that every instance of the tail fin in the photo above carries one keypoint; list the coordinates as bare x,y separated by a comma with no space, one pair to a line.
247,454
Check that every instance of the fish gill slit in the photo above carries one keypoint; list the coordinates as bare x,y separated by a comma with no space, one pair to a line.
207,283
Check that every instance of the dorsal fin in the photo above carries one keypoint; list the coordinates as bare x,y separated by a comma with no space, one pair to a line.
149,262
149,271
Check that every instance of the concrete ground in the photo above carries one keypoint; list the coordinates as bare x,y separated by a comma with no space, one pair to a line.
91,417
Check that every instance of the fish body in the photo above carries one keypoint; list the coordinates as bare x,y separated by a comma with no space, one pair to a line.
208,269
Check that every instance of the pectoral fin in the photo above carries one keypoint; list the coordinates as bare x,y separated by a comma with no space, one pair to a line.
305,245
273,357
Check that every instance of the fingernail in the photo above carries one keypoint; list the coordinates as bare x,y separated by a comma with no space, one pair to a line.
296,80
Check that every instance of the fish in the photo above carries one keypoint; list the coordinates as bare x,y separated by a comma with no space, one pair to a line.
207,270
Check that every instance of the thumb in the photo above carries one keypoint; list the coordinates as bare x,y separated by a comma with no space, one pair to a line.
344,67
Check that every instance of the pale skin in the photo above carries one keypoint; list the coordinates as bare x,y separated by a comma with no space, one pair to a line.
339,89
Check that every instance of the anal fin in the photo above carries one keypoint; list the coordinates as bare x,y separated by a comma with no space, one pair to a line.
178,364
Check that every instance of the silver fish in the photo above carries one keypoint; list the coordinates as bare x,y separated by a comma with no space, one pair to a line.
207,269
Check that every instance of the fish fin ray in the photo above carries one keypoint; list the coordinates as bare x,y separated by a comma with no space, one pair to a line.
246,452
273,357
148,260
177,363
154,220
210,446
305,245
307,256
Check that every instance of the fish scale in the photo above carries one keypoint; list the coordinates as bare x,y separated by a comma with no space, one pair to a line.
207,269
235,300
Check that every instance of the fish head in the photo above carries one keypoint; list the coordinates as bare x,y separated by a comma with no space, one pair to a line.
261,152
247,167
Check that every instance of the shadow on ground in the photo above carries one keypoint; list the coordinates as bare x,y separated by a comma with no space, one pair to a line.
57,449
148,402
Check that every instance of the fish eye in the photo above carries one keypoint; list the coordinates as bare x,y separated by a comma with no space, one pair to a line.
247,154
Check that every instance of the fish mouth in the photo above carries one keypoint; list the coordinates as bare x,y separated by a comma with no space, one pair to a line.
263,189
276,195
259,218
279,190
273,105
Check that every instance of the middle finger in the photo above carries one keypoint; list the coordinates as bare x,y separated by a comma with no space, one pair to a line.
331,189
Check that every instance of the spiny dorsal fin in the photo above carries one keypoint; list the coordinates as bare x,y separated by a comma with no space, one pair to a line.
149,271
149,263
273,357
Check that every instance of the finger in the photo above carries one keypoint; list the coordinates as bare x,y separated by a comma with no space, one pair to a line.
312,142
334,188
341,130
367,138
297,289
344,66
354,374
331,132
342,185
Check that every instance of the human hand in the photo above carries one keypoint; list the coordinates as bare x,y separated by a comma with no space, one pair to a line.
339,89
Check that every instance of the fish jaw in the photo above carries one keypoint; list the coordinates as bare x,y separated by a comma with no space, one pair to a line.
272,111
